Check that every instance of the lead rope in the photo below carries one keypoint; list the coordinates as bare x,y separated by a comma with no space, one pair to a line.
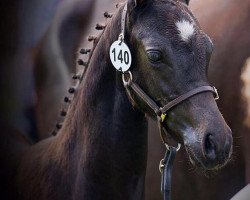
165,167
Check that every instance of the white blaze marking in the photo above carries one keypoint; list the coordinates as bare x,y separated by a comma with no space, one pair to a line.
245,77
186,29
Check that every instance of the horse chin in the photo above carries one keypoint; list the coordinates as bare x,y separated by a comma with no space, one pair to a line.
200,162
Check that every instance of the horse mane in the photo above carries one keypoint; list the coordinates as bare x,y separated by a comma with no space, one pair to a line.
109,31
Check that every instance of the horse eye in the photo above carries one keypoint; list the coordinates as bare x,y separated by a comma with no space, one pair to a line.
154,56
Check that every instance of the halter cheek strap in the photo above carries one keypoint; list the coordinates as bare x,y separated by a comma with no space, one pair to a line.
123,22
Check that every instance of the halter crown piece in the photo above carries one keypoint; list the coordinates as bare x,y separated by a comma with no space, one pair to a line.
166,163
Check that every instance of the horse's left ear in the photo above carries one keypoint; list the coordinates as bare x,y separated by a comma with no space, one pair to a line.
185,1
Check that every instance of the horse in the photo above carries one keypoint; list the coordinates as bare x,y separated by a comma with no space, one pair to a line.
20,39
225,71
54,61
52,76
19,35
25,44
100,151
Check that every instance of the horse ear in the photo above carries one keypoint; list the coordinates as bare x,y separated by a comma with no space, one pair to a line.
134,3
185,1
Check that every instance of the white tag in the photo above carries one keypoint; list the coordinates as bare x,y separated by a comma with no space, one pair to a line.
120,56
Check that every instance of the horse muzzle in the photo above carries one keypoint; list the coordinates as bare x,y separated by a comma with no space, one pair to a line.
212,152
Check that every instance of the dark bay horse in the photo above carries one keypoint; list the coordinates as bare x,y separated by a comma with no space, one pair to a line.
100,152
230,35
54,61
23,25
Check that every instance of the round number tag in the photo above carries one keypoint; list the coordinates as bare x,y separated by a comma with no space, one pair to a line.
120,56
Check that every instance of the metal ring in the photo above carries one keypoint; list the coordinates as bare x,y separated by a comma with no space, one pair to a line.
177,148
161,165
217,97
121,37
126,82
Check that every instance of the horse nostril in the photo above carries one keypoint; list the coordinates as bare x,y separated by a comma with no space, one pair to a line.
210,147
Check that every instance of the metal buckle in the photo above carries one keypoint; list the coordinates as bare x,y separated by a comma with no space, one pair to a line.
121,38
161,165
177,148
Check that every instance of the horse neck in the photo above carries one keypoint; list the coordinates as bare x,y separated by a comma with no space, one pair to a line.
106,134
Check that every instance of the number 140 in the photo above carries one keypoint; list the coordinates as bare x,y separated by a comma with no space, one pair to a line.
122,56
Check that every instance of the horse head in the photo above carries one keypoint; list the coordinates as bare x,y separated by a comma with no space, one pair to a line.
170,58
